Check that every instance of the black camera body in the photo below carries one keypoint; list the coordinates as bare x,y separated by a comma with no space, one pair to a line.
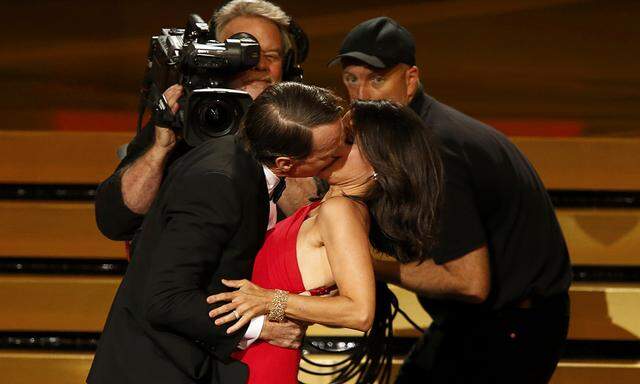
193,58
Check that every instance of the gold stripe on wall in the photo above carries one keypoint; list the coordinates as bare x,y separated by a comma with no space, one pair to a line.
585,163
55,303
72,303
602,236
20,367
89,157
59,157
68,230
53,230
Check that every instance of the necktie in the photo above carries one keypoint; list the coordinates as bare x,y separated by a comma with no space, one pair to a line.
277,191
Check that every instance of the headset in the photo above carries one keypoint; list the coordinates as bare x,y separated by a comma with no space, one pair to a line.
297,48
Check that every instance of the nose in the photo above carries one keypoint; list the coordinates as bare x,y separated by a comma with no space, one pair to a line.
363,92
262,63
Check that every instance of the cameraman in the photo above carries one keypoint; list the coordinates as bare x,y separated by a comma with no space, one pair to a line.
126,196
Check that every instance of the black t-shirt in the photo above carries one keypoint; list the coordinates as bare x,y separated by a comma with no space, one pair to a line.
493,196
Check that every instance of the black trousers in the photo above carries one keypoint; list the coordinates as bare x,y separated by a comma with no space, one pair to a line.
516,345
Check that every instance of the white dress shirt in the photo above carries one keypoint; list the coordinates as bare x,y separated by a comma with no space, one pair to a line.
255,326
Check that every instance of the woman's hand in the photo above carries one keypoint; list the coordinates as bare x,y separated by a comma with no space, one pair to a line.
245,303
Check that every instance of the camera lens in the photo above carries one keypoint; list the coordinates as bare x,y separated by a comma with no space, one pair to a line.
215,117
212,112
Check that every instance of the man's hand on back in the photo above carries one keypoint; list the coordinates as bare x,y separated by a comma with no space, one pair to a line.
287,334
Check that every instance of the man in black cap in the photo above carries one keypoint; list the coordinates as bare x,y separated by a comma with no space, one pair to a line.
496,287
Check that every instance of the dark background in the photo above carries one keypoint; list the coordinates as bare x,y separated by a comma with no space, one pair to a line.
542,68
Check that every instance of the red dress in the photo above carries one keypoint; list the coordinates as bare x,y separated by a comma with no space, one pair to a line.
276,267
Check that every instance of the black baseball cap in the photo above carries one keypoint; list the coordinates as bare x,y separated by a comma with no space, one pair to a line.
380,43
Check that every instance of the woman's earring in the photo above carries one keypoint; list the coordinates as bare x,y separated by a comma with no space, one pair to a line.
375,176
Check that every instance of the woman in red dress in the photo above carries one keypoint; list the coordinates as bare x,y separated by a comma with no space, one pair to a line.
393,172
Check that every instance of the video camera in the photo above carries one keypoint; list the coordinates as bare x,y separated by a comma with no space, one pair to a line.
193,58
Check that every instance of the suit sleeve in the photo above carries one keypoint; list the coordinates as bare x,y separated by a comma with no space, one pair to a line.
115,220
202,218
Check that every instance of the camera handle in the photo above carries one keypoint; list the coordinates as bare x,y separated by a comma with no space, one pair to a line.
162,115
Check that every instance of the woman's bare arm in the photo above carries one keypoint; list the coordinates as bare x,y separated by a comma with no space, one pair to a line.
344,228
343,225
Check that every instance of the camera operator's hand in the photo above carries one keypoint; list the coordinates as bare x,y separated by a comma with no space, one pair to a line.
141,180
165,137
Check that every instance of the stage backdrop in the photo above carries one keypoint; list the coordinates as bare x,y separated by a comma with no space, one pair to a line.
534,68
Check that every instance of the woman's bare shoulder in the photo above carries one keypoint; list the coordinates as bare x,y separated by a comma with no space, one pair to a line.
341,208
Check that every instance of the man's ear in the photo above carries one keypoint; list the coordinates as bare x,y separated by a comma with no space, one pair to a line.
283,166
412,79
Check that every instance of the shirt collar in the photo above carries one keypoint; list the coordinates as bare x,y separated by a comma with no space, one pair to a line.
272,179
421,103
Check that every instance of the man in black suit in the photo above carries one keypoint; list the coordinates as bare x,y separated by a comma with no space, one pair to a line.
207,223
125,197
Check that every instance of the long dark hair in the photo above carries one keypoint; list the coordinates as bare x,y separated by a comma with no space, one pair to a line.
405,198
403,204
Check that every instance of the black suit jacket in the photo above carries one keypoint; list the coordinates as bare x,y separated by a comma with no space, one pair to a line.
207,223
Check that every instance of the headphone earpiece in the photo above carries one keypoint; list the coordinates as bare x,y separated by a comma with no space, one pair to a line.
290,70
300,40
296,54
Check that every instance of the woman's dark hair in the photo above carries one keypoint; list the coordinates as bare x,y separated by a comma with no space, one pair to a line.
280,120
404,201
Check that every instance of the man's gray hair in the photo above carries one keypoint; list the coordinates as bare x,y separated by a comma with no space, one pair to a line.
255,8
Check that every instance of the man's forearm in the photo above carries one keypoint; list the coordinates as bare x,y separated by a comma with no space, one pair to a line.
465,279
428,279
141,180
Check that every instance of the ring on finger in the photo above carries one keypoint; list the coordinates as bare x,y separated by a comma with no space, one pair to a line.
235,313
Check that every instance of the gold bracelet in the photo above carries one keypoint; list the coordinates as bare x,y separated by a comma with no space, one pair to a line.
278,305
